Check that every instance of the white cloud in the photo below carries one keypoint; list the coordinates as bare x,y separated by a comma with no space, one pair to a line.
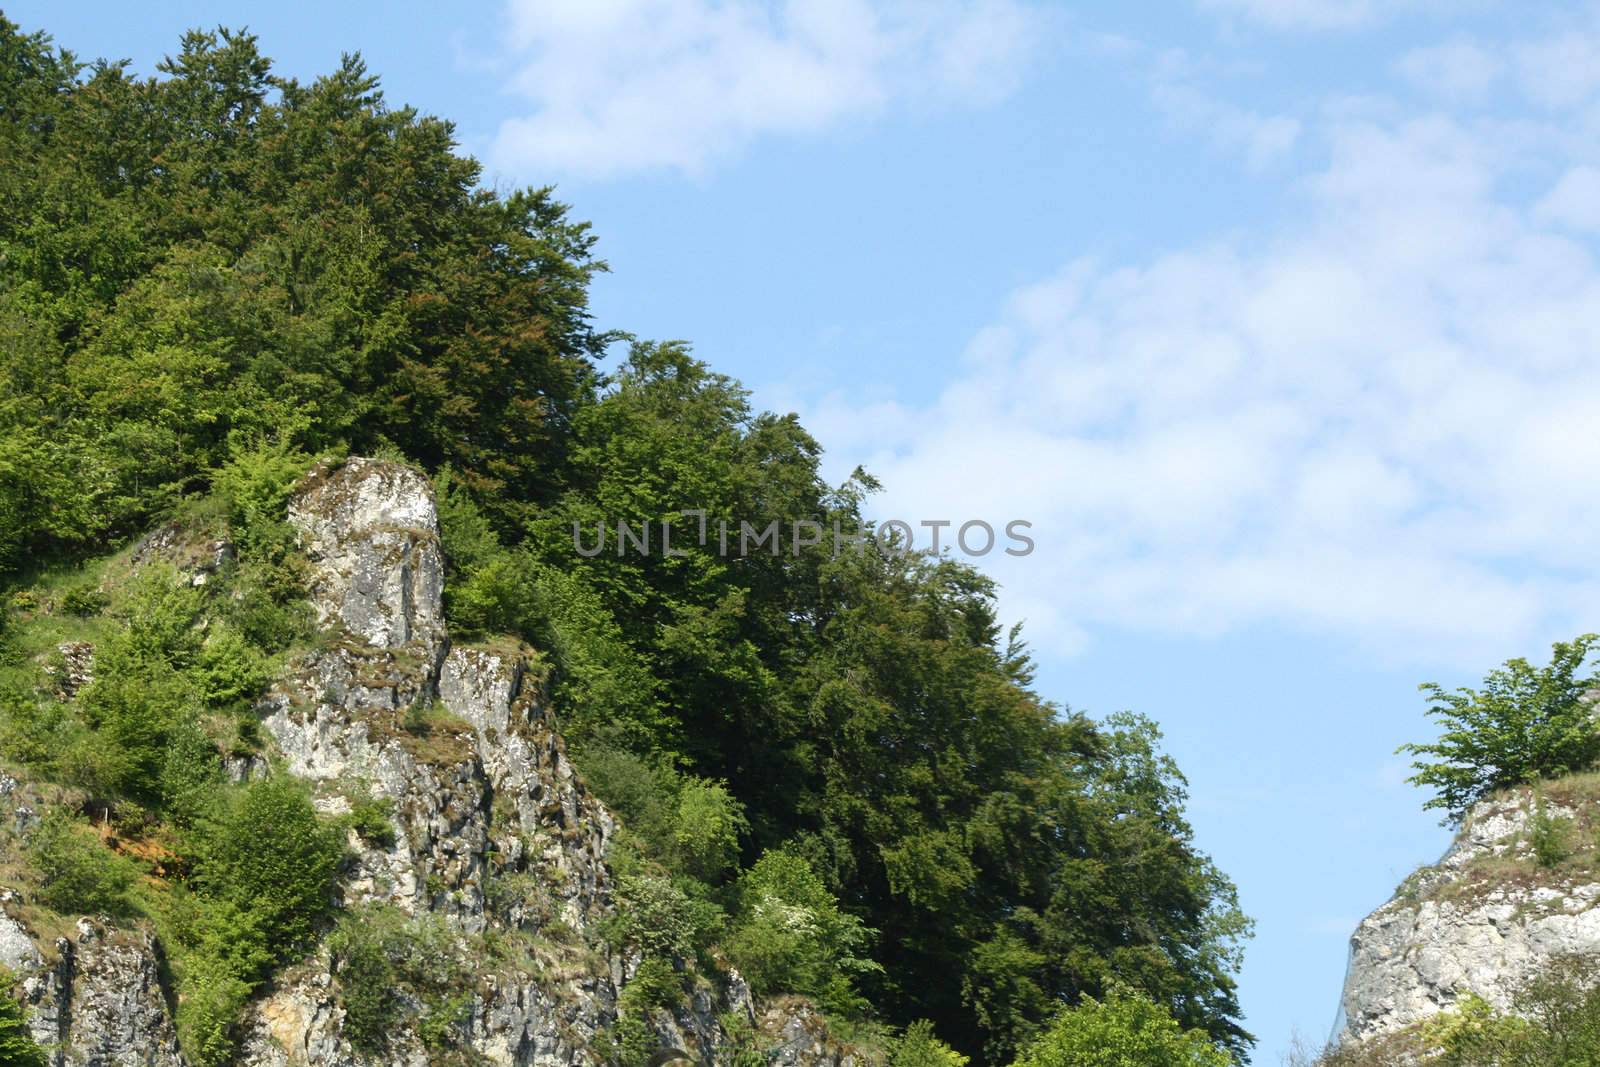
1380,425
1563,71
1260,139
626,85
1456,70
1575,200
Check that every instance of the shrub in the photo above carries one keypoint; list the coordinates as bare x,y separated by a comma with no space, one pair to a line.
1554,1022
191,773
1124,1030
655,985
133,706
270,854
158,612
268,605
220,952
256,482
377,953
78,875
366,981
917,1047
230,669
660,918
17,1047
1526,723
790,935
706,832
1550,835
84,600
641,792
372,818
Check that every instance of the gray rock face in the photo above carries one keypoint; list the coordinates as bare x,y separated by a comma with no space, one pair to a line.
96,997
1452,929
371,529
496,840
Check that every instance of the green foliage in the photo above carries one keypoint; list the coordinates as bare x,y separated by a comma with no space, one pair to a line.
1550,835
263,867
268,852
17,1047
1554,1022
707,829
655,985
196,264
383,958
213,275
661,918
1526,723
255,484
373,820
367,984
84,600
230,669
190,774
77,874
1124,1030
918,1047
790,935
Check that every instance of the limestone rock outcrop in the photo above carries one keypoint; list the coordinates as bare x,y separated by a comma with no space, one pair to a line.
494,843
1484,920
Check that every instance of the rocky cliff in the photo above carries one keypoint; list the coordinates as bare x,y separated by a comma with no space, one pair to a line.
495,848
1490,915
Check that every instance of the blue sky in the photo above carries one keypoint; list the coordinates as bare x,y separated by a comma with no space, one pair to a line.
1277,318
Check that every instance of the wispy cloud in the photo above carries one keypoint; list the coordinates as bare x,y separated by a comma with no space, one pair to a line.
1379,425
1179,91
1455,70
618,86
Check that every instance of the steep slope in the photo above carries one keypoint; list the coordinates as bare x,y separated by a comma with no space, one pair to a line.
1517,891
492,868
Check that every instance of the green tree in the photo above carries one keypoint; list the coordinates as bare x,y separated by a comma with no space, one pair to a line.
790,935
1124,1030
919,1047
77,874
269,854
1526,723
17,1047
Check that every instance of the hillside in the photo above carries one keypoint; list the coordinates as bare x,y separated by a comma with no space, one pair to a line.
320,759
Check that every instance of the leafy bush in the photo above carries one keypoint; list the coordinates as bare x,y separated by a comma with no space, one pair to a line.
191,773
269,853
267,604
1550,835
372,818
230,669
918,1047
791,936
220,950
17,1047
84,600
655,985
1526,723
158,613
660,918
1554,1022
707,829
256,482
77,874
367,985
378,953
1124,1030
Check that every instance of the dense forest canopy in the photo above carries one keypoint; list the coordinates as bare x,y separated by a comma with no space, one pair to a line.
210,277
